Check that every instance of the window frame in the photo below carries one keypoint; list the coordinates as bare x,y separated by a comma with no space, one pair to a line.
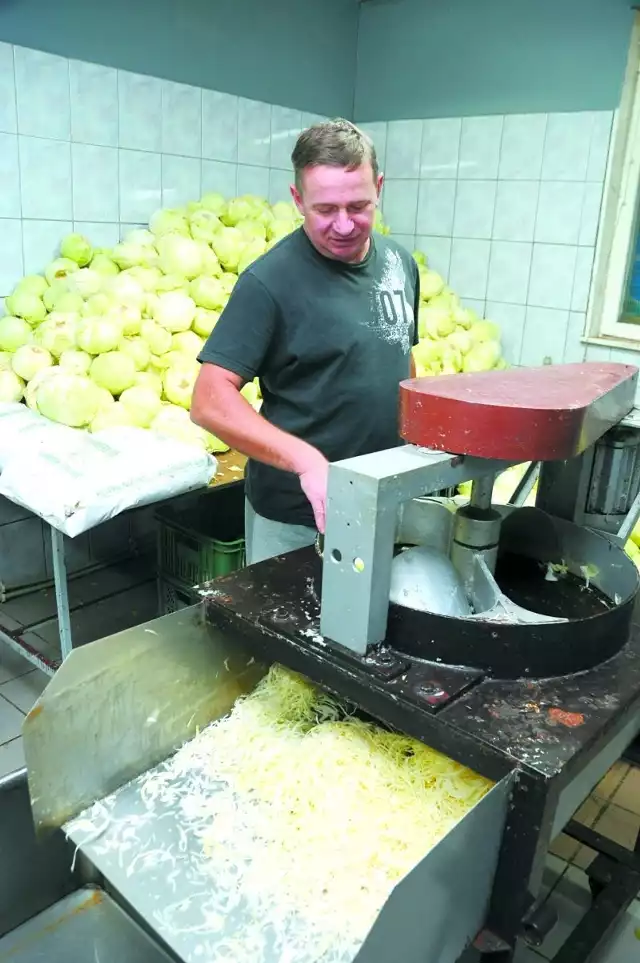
620,215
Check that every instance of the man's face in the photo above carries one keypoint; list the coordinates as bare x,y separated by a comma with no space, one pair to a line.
339,208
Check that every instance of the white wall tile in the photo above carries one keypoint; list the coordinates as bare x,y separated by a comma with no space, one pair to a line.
515,214
124,228
404,143
509,269
279,185
285,128
566,147
219,177
253,180
590,218
599,147
140,185
11,263
41,243
597,352
474,304
469,268
438,251
8,119
181,119
139,111
552,273
436,203
94,104
45,176
42,87
522,146
480,148
95,183
181,180
582,279
189,123
10,205
377,131
440,147
219,126
475,204
407,241
510,318
544,336
100,234
254,133
400,204
559,212
574,348
308,119
626,355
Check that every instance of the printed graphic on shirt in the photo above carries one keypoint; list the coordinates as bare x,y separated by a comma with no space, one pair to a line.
392,312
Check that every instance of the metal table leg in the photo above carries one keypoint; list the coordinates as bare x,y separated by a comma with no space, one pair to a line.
62,596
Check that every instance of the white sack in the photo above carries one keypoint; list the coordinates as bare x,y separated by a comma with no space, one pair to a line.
77,481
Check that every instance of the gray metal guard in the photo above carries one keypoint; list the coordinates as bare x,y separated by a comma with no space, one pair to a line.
364,496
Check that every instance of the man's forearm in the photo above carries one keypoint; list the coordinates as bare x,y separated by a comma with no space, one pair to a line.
232,419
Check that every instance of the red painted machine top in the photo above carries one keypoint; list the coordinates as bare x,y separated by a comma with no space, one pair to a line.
528,414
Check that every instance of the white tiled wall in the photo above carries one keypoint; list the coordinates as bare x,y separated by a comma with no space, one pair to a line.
507,209
93,149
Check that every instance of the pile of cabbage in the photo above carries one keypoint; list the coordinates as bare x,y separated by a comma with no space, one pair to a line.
453,338
632,548
504,486
110,337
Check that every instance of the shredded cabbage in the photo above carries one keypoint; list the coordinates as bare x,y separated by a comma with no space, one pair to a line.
319,814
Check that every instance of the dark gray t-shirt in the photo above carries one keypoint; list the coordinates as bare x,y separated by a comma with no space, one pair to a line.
330,343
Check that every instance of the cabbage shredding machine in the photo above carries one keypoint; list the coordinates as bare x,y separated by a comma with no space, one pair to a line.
505,636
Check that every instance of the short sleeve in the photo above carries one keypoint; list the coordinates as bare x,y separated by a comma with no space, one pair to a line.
416,305
242,336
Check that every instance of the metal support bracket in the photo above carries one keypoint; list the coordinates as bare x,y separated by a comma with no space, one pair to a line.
62,595
364,497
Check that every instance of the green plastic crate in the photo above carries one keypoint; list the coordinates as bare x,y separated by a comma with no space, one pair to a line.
201,535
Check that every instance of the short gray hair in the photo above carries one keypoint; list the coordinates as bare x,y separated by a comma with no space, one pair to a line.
335,143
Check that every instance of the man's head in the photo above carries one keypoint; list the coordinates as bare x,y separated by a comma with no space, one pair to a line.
337,186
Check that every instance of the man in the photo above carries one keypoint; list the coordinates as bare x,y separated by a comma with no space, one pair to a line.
325,319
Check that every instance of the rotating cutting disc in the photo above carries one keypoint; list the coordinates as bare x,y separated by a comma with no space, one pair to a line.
425,580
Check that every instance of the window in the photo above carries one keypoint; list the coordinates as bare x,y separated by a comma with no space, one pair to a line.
614,309
631,307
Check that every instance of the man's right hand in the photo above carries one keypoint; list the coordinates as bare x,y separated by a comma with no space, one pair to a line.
313,480
218,406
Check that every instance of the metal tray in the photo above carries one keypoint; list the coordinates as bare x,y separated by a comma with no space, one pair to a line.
87,925
101,696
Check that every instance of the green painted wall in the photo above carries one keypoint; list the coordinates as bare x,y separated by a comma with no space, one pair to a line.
288,52
415,58
452,58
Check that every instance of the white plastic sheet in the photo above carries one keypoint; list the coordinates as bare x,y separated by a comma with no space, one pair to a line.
75,480
22,429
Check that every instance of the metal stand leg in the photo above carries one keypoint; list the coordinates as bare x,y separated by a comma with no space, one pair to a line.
519,873
62,597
